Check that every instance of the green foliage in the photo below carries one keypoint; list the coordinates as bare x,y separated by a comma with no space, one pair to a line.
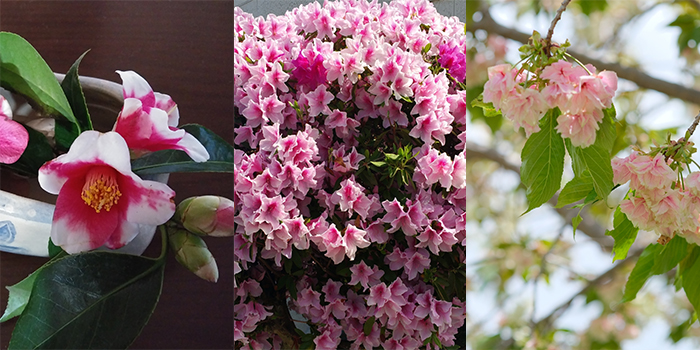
656,259
590,6
543,162
171,161
624,234
578,188
96,300
38,152
74,93
479,110
22,70
690,29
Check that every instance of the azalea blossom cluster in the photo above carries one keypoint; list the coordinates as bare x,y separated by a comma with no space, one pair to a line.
657,201
580,93
306,86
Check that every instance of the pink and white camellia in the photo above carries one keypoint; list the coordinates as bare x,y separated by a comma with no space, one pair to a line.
100,200
148,121
13,136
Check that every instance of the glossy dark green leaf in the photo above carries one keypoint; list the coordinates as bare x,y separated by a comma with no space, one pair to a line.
38,152
367,328
74,93
172,161
24,71
97,300
624,234
543,162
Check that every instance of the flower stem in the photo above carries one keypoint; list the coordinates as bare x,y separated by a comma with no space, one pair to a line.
562,8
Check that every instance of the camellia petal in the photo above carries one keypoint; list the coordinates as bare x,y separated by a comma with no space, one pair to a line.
148,121
13,137
100,200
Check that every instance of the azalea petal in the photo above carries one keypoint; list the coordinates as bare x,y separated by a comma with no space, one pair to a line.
166,103
137,87
148,202
13,140
76,226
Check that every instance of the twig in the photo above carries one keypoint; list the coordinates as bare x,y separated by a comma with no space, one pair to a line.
692,127
547,321
634,75
562,8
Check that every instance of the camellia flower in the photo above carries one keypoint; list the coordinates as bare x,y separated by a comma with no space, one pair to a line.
100,200
13,136
148,121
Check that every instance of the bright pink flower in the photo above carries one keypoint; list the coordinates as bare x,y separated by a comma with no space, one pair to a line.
148,121
354,238
366,276
318,101
417,260
13,136
398,218
100,200
270,213
351,197
334,244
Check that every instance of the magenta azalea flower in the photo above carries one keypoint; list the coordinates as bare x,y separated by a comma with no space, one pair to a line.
13,136
148,121
100,200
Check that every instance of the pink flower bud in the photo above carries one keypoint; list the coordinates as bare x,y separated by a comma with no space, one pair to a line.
207,215
192,253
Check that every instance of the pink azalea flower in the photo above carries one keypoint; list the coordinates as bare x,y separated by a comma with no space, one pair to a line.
417,260
100,201
354,238
351,197
13,136
366,276
148,121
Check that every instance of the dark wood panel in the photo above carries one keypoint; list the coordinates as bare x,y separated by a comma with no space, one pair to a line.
184,49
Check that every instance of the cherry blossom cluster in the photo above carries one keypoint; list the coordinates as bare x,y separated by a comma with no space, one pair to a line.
657,201
307,87
579,92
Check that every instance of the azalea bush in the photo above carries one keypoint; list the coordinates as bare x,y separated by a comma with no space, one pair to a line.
104,202
349,190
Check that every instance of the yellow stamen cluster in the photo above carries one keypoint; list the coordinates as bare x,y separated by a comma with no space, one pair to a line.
101,190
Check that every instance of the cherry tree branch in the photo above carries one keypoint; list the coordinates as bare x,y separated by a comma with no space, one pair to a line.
547,321
692,127
640,78
589,226
562,8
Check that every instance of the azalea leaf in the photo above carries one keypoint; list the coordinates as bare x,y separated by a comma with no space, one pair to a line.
543,162
624,234
172,161
22,70
96,300
74,93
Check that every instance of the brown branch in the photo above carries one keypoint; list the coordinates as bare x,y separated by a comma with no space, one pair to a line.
562,8
692,127
640,78
547,321
588,226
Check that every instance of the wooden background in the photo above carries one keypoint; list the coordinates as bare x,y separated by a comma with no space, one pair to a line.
184,49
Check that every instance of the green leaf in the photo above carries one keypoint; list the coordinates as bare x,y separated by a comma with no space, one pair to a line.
578,188
65,133
74,93
607,132
575,221
590,6
488,109
691,284
624,234
96,300
543,162
596,160
367,328
171,161
24,71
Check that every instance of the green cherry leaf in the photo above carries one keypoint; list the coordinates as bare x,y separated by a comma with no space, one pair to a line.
624,234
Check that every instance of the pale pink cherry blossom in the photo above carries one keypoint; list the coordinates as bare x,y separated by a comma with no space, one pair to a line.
502,80
148,121
13,136
638,212
354,239
564,82
651,172
100,200
579,128
621,172
524,107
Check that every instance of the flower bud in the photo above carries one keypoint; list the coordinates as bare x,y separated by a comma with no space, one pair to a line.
192,253
207,215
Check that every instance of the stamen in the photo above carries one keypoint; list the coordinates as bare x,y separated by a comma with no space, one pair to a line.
101,190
